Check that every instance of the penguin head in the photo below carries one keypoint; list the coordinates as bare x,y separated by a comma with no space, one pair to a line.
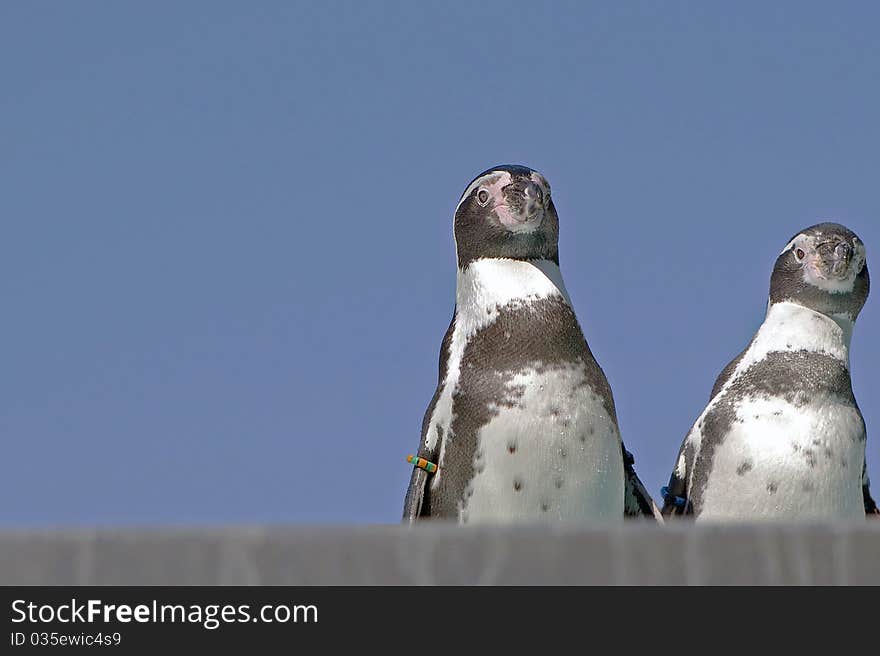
824,268
506,212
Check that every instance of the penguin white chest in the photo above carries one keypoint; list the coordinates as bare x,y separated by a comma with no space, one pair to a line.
551,452
784,461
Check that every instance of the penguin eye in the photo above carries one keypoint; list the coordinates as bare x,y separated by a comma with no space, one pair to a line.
800,254
482,196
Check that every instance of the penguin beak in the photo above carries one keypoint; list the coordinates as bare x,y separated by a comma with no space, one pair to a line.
524,201
841,259
534,200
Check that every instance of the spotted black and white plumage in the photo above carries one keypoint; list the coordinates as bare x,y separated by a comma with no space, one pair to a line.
782,436
522,424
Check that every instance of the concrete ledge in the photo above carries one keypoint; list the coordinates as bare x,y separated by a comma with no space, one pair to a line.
440,554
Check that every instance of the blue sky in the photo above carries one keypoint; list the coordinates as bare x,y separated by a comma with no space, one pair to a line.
227,262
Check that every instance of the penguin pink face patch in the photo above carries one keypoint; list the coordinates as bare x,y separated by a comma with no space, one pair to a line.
491,194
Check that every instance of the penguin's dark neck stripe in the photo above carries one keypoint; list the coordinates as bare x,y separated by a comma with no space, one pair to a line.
790,327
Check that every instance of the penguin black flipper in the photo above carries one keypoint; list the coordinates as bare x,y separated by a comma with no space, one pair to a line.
637,500
415,504
415,493
675,494
871,509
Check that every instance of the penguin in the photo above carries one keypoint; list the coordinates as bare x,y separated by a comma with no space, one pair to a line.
782,436
522,425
